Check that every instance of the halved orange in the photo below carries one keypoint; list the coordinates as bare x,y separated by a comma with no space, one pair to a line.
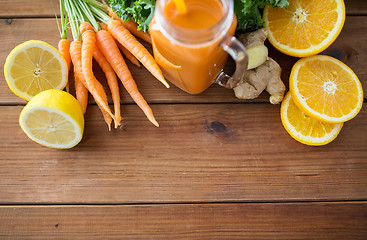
305,129
326,89
306,28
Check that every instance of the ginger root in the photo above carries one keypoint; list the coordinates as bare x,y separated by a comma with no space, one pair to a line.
263,72
255,81
257,52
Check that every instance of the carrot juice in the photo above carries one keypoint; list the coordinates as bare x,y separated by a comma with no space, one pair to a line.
192,41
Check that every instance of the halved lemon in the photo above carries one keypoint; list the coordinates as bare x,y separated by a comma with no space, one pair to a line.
305,129
326,89
306,28
34,66
53,118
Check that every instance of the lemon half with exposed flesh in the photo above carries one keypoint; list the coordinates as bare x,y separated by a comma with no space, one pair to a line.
53,118
34,66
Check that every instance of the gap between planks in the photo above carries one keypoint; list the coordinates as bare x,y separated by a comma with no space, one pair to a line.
294,202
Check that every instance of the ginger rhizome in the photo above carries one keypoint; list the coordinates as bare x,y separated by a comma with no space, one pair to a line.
263,72
265,77
256,51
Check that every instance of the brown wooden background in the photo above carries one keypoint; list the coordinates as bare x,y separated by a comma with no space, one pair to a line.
217,168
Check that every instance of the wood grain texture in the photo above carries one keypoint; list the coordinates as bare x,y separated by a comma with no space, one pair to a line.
197,221
45,8
211,154
356,7
350,48
200,153
25,8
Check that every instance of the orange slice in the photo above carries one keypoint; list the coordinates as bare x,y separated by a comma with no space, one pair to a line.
304,129
306,28
326,89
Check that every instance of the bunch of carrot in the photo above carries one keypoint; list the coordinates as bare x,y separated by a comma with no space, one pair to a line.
104,45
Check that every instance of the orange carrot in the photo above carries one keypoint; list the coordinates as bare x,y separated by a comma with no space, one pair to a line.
81,92
64,46
132,27
91,83
103,26
108,47
120,33
126,53
80,89
112,82
94,87
106,116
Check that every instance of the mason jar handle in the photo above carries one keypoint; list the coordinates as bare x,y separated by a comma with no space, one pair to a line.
237,51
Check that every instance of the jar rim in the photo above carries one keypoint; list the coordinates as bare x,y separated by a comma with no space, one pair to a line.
194,37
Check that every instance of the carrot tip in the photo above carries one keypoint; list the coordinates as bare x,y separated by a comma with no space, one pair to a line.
165,83
84,109
118,123
155,123
107,109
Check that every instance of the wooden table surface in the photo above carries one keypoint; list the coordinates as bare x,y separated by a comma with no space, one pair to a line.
216,168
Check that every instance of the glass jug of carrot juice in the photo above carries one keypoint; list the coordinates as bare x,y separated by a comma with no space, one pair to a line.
196,43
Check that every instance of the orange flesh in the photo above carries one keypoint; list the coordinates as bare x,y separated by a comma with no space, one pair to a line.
311,80
306,22
199,65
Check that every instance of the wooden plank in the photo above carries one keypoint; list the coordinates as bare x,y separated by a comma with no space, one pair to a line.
45,8
24,8
349,48
197,221
356,7
200,153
